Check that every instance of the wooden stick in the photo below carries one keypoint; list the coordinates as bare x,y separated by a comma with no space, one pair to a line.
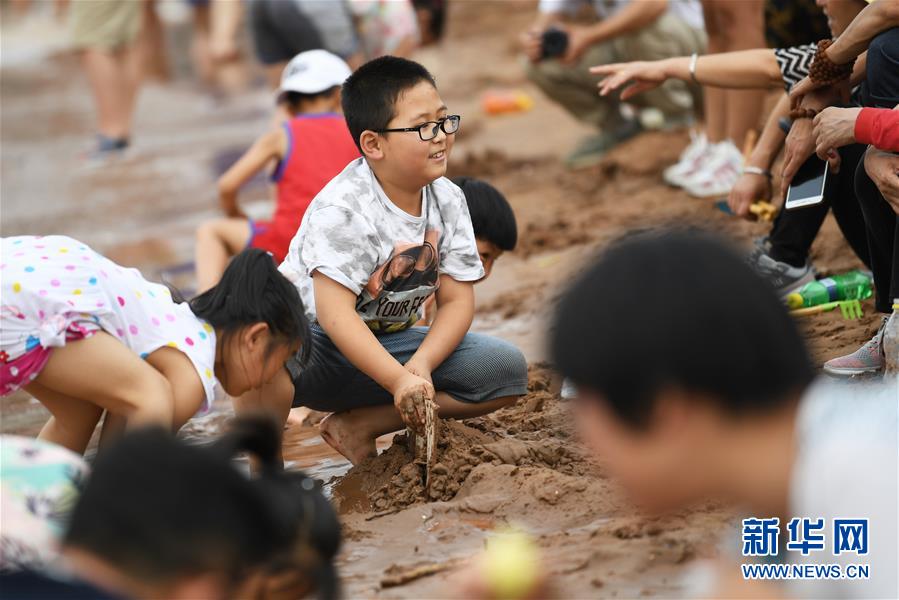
406,575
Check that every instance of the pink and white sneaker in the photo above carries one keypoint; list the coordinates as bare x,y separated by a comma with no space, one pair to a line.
869,359
722,168
690,162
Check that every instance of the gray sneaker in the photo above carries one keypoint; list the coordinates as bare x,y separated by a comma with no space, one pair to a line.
782,277
760,245
591,150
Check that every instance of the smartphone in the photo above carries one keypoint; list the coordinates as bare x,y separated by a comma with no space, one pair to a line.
807,187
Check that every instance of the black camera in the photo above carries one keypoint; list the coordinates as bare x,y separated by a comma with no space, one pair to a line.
553,43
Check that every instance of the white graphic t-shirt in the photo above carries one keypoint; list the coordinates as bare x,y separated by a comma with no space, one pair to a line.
390,259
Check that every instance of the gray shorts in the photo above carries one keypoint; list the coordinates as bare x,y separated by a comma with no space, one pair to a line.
480,369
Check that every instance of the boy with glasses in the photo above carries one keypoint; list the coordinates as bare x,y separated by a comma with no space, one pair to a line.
380,239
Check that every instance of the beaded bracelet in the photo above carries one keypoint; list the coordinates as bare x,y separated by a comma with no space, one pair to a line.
825,71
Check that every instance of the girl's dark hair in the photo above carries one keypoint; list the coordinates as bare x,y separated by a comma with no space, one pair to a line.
304,512
158,509
492,216
680,309
295,100
252,290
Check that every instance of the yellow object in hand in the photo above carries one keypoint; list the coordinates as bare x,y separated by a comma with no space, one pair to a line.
510,565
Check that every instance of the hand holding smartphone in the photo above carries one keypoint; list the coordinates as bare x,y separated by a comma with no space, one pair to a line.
807,187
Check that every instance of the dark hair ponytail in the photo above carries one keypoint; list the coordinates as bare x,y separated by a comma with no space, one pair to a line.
159,509
308,520
252,290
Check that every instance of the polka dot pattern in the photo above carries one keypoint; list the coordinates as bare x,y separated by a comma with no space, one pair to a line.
60,283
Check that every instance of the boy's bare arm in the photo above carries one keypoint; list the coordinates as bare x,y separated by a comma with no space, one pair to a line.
272,145
455,310
336,308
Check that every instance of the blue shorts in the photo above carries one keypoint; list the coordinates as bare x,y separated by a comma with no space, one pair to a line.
480,369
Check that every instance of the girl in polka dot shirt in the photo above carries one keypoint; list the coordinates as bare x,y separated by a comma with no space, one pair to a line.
84,335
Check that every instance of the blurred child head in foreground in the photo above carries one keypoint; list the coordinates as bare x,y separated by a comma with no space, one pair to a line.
679,351
161,518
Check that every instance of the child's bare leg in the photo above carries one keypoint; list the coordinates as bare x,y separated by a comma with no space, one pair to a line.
273,398
353,432
217,242
113,428
103,372
72,422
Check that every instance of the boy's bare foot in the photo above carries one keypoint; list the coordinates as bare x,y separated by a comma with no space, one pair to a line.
337,432
304,416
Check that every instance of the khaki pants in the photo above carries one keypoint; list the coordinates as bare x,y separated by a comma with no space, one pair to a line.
573,87
105,24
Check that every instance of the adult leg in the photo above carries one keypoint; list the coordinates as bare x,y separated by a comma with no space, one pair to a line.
105,73
882,225
795,230
225,19
105,30
845,202
738,26
668,36
217,242
574,88
714,98
199,46
151,45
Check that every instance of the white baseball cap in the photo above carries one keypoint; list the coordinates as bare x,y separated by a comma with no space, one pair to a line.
312,72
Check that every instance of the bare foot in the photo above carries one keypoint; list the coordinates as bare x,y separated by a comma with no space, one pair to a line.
297,416
315,417
304,416
340,435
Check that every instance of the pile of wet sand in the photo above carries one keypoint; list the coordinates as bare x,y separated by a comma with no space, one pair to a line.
535,432
521,466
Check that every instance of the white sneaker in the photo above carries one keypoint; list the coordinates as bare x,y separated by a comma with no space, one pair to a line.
690,161
719,174
569,390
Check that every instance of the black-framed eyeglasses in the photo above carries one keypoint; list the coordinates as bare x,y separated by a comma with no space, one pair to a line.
428,131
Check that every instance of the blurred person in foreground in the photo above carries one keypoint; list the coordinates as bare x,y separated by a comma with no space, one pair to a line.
626,30
159,518
676,421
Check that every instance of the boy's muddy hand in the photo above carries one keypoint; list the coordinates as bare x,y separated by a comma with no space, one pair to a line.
411,398
418,368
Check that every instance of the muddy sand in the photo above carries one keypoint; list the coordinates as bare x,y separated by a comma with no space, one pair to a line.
521,466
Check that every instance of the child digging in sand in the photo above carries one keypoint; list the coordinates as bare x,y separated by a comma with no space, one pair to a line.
495,232
84,335
376,243
310,149
678,419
